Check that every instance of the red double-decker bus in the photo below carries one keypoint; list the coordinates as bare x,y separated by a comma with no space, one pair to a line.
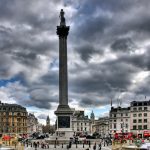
127,136
146,134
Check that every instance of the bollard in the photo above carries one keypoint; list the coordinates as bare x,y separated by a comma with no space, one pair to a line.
83,145
55,144
62,145
76,145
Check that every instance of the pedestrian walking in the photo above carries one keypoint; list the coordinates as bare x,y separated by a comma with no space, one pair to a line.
35,145
89,144
94,147
70,144
104,143
100,146
38,144
47,145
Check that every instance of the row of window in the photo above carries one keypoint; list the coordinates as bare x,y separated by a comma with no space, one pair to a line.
134,109
12,113
139,121
117,115
139,108
121,125
81,124
134,115
120,120
124,125
81,129
139,127
135,127
18,119
140,103
14,125
11,108
140,115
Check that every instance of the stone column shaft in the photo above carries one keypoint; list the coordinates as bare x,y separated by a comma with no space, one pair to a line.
63,73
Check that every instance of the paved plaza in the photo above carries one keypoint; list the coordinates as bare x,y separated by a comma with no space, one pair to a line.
80,147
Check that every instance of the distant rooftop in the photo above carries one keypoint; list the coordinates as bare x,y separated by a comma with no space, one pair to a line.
9,107
119,109
140,103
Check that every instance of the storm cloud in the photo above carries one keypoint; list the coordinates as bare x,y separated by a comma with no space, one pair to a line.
108,52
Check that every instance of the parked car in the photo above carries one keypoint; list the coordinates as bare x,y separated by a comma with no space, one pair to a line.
90,137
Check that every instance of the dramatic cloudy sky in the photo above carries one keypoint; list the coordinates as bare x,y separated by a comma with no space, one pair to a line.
108,53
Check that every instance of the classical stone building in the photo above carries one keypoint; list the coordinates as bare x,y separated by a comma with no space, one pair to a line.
47,127
48,121
140,117
101,126
33,124
135,119
13,119
119,120
92,117
81,124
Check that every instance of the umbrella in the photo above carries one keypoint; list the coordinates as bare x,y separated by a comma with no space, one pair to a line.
6,137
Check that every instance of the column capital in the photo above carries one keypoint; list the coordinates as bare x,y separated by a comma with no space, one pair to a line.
62,31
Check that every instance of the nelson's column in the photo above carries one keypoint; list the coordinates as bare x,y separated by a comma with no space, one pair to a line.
63,112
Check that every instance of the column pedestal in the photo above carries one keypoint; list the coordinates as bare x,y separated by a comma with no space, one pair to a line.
64,122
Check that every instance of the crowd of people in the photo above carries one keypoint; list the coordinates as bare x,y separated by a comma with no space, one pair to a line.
102,143
76,141
44,145
37,144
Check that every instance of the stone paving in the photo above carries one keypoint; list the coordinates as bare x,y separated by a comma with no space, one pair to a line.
79,147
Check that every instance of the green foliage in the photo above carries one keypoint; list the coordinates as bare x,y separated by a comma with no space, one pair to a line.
138,142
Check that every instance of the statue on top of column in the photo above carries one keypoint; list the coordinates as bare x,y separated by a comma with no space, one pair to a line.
62,18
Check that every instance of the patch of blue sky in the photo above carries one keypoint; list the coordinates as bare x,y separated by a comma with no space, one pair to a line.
33,109
98,112
5,82
54,65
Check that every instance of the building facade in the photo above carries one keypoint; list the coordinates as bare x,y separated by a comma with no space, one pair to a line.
140,117
119,120
80,123
32,124
135,119
13,119
101,126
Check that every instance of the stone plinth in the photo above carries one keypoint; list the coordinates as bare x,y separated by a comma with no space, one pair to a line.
64,122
